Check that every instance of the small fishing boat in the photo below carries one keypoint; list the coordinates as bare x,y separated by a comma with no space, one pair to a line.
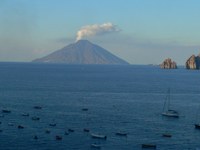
197,121
58,137
37,107
84,109
10,124
166,108
99,136
151,146
35,137
197,126
52,124
166,135
121,133
20,127
47,131
35,118
70,130
6,111
97,146
25,114
86,130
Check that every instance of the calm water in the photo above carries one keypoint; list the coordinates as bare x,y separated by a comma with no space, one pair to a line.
119,98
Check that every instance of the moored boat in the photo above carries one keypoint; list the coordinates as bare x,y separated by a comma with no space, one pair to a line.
35,118
86,130
6,111
20,127
58,137
166,135
121,133
98,136
37,107
97,146
166,108
197,126
152,146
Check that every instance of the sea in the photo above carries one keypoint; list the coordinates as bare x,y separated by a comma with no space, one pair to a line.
105,99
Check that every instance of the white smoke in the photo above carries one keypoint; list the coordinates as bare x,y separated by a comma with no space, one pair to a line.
96,29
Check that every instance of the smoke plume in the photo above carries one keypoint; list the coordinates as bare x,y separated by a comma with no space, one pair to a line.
96,29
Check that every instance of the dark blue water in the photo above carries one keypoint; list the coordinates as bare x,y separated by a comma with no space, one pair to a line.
118,98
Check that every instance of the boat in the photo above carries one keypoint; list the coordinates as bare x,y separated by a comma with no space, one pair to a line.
166,108
47,131
20,127
84,109
6,111
37,107
97,146
98,136
70,130
121,133
58,137
197,124
166,135
86,130
52,124
10,124
25,114
152,146
35,118
66,133
35,137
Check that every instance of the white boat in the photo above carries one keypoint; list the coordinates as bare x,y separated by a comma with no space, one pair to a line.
98,136
121,133
96,146
25,114
166,108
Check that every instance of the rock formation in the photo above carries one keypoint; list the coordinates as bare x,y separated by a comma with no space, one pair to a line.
168,64
82,52
193,62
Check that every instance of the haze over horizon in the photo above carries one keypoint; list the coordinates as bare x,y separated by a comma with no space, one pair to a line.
138,31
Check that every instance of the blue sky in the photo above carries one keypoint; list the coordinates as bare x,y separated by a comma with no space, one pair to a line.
150,30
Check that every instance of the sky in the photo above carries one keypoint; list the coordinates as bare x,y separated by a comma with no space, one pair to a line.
138,31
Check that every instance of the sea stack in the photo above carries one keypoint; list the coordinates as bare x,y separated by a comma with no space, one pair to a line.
193,62
168,64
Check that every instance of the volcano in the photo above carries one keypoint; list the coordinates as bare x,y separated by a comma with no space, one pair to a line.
82,52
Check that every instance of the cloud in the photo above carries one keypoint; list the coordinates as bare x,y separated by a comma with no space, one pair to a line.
96,29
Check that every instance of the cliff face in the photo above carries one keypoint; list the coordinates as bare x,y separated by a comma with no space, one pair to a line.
168,64
193,62
82,52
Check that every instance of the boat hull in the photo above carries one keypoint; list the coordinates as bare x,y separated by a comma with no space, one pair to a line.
197,126
170,115
151,146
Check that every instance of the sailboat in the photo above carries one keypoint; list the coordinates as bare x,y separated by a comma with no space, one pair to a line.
166,108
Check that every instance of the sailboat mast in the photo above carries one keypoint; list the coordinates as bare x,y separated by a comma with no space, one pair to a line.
168,99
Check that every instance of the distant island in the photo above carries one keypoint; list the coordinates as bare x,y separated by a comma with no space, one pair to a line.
168,64
82,52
